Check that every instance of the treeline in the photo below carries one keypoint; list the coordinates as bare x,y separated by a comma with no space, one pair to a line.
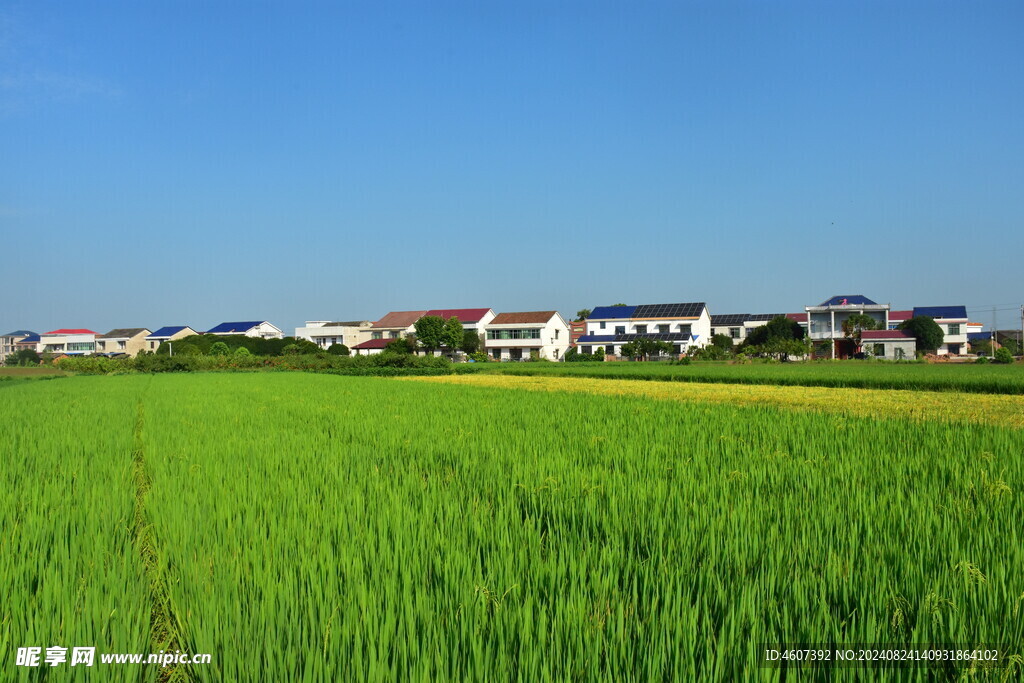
217,345
382,364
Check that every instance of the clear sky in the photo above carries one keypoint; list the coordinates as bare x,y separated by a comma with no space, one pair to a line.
167,163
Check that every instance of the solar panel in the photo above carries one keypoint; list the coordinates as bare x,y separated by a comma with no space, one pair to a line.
729,319
686,310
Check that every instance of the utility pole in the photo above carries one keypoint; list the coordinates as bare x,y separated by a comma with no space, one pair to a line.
993,343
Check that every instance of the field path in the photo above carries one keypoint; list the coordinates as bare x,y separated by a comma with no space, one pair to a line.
988,409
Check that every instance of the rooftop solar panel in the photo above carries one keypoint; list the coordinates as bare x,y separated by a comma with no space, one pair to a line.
729,319
686,310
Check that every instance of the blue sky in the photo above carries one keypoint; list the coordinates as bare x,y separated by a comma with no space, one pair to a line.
194,162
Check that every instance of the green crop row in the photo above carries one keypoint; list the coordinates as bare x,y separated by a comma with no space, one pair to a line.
309,527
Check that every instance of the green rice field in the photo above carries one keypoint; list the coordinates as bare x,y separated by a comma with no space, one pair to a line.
303,527
959,377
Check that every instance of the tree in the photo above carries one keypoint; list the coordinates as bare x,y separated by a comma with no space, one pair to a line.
779,328
982,347
582,314
23,357
470,342
405,345
430,332
242,351
857,323
452,334
1003,355
645,347
338,350
722,342
926,331
220,349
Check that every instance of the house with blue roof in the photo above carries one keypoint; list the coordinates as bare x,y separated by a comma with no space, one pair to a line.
9,342
685,326
168,334
825,323
250,328
953,322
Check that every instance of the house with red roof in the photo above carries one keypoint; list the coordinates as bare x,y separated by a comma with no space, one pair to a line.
68,342
520,336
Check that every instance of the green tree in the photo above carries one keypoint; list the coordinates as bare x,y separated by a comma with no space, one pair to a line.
926,331
645,347
242,351
722,342
23,357
452,334
583,314
470,342
857,323
982,347
430,332
403,345
778,329
220,349
1003,355
338,350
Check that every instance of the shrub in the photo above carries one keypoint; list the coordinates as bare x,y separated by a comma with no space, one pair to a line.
338,350
1003,355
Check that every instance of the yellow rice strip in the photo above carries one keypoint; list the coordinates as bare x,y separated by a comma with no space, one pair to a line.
990,409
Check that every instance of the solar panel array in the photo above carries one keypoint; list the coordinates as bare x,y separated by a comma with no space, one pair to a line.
690,310
668,336
765,316
729,319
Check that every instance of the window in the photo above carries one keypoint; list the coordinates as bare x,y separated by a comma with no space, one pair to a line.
556,333
496,353
879,350
586,349
602,324
734,332
641,329
684,329
662,329
393,334
954,328
122,344
620,329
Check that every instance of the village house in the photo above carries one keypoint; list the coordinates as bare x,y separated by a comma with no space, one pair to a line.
128,341
684,326
528,334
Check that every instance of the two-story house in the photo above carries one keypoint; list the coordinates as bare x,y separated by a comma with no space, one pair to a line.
326,334
683,325
254,328
527,334
126,340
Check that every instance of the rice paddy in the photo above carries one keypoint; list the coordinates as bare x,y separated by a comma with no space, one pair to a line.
321,528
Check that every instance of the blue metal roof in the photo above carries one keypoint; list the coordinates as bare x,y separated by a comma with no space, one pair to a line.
850,300
234,327
975,336
20,333
167,331
32,338
941,311
611,312
596,339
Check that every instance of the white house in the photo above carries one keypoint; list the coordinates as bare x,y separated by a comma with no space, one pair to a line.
254,328
737,326
70,342
953,322
685,326
9,342
326,334
520,336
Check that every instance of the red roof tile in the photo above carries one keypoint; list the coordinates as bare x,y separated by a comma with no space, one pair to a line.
465,315
901,315
373,344
526,317
799,317
399,319
69,331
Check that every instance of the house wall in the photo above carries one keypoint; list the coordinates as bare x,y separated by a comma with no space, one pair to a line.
153,344
955,337
71,344
325,336
132,346
8,345
892,349
554,340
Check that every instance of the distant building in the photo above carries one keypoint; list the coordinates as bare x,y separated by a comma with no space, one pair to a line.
326,334
68,342
260,329
129,341
953,321
395,324
684,326
9,342
522,335
888,344
577,328
737,326
168,334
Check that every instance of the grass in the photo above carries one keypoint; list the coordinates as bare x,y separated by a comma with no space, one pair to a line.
311,527
958,377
